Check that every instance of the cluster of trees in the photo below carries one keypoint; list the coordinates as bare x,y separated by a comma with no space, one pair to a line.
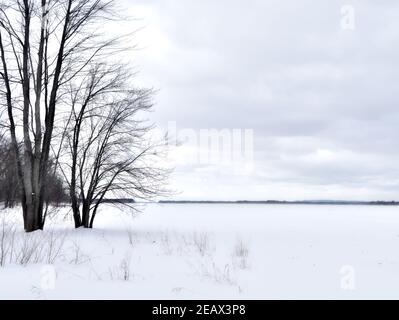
73,116
10,189
9,185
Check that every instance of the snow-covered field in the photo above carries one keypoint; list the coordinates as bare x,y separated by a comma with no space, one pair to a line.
176,251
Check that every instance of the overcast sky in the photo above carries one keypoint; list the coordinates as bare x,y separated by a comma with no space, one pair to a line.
321,96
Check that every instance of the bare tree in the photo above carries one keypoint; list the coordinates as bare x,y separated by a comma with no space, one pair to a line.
44,45
110,153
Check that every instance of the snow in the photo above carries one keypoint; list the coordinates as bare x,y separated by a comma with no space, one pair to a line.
217,251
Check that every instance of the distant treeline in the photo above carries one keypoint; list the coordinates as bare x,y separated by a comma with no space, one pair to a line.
116,201
305,202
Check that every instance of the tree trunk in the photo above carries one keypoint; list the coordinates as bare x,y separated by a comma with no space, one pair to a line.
76,213
32,222
86,215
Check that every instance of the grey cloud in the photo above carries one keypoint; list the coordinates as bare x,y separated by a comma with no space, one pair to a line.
288,71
